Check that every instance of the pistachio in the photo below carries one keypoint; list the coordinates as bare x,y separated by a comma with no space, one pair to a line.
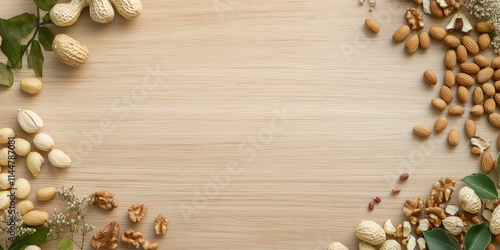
21,188
46,194
34,161
43,142
59,159
22,147
5,133
29,120
24,207
4,199
4,156
459,22
5,183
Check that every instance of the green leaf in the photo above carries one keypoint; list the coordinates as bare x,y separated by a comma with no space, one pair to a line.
36,238
11,43
482,184
477,237
45,4
35,58
439,239
46,37
46,18
25,22
66,244
6,77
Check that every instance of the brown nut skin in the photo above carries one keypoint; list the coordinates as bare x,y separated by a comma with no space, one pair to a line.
161,225
104,200
107,238
137,212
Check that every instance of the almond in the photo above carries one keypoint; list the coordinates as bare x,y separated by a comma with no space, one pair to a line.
440,124
424,40
494,119
463,94
489,105
446,94
497,98
436,10
470,68
430,77
372,25
477,96
477,110
401,34
437,33
497,86
453,137
458,110
461,53
451,41
495,63
471,45
488,89
484,75
464,79
450,60
422,131
496,75
438,104
484,41
481,61
449,78
470,128
484,27
486,162
412,44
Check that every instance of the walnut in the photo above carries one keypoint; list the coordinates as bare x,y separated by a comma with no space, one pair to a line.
132,238
413,209
104,200
415,19
161,225
107,238
137,212
435,215
443,189
146,245
469,220
449,6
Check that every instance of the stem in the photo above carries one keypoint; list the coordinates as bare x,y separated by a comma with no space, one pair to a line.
83,233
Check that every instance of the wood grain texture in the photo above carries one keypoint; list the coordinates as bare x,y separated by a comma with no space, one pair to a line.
270,125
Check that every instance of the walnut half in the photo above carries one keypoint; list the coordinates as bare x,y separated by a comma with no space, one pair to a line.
150,245
104,200
161,225
413,209
137,212
132,238
107,238
415,19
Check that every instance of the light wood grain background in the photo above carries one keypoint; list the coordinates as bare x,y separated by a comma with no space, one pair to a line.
183,90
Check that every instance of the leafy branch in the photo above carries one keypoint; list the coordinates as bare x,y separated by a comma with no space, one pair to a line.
13,29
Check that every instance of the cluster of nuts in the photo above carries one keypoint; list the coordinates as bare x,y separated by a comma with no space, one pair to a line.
485,97
430,214
71,51
108,237
31,123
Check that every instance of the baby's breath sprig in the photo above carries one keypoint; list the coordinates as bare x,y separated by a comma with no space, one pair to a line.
487,10
71,223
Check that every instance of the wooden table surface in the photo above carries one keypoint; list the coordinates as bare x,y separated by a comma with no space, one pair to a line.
255,125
